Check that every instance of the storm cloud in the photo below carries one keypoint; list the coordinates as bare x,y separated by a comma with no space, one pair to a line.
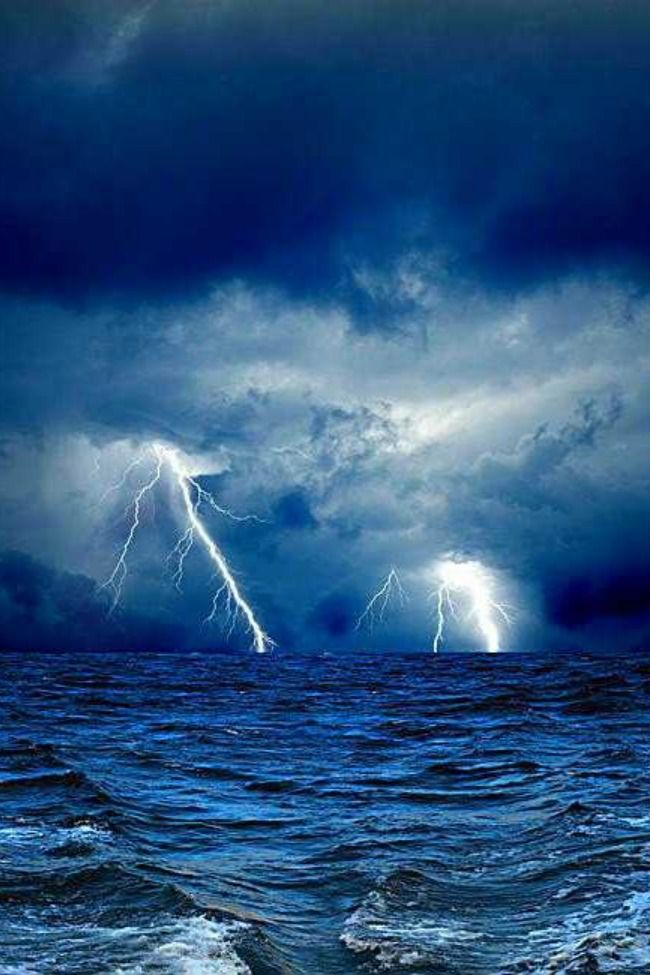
41,608
151,149
378,270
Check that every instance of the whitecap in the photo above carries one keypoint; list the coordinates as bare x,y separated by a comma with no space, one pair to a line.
193,946
403,937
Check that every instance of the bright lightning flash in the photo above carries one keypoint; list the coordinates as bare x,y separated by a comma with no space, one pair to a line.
473,582
377,605
192,496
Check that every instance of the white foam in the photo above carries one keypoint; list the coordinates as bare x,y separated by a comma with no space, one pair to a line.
612,939
173,946
19,838
397,940
635,820
193,946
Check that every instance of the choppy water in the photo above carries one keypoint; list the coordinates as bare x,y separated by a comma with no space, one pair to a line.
226,815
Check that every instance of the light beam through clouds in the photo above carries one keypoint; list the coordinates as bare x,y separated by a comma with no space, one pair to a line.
168,459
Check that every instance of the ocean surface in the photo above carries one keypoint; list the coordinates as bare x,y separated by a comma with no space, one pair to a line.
232,814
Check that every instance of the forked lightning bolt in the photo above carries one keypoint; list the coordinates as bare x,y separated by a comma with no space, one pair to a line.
235,602
124,478
374,611
192,496
115,581
471,581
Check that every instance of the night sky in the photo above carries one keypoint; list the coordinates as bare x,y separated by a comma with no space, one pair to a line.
377,268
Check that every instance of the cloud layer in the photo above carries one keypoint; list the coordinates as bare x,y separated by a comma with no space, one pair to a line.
378,271
150,149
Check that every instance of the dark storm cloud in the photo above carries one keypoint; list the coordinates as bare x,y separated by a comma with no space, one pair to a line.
44,609
199,198
148,149
622,593
566,523
334,616
292,511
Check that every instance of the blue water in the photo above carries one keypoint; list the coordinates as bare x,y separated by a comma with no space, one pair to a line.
234,814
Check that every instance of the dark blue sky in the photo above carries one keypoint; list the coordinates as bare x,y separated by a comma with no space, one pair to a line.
379,269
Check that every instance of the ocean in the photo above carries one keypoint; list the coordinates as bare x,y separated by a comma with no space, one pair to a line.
228,814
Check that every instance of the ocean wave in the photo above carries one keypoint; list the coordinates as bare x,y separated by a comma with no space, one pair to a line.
443,816
604,938
193,946
403,924
38,780
30,838
48,784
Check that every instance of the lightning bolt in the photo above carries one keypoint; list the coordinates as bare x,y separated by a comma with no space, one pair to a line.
377,605
471,580
192,497
440,617
184,544
115,581
180,551
235,602
139,459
